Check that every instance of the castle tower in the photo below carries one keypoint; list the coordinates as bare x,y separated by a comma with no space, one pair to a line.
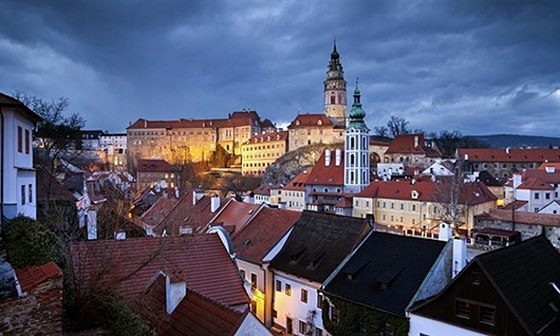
335,90
356,141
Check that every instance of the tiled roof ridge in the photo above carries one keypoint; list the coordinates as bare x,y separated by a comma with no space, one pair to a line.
216,302
31,276
173,208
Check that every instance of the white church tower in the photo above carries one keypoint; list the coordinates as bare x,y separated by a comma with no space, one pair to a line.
356,163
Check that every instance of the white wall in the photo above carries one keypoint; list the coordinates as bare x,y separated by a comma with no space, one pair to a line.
291,305
258,295
426,326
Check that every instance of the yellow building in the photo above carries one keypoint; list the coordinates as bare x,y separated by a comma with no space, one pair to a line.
310,129
179,141
261,151
415,208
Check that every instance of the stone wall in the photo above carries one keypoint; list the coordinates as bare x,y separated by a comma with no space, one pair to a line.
527,231
38,313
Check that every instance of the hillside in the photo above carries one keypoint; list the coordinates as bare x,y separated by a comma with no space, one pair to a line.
513,140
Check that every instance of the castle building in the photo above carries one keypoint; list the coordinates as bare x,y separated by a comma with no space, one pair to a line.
179,141
356,165
262,150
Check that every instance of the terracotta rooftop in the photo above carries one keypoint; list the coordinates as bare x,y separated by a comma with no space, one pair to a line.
127,265
405,144
257,238
427,191
298,182
57,191
185,213
158,211
32,276
264,189
548,177
236,119
234,215
313,120
269,137
544,165
535,183
515,205
195,315
511,155
154,166
327,175
521,217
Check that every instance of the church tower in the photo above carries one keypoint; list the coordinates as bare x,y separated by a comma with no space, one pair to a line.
335,90
356,141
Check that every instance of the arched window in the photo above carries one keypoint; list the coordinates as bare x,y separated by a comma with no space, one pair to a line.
352,143
333,99
352,160
351,177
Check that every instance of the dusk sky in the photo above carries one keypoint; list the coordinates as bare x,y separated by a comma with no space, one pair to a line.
480,67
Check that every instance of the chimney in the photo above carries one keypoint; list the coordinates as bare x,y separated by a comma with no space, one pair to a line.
412,181
459,255
214,203
416,141
466,156
174,293
338,157
120,235
197,194
516,180
145,123
327,157
91,218
445,232
507,150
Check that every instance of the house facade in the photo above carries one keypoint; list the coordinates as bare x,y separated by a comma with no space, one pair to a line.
261,151
18,182
412,149
157,172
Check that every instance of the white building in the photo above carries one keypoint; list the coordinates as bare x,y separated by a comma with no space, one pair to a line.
356,164
114,146
18,182
538,187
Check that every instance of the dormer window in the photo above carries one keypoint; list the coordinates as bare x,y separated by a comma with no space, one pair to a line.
319,122
414,194
297,122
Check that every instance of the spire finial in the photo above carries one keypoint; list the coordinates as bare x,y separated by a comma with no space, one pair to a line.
357,81
334,49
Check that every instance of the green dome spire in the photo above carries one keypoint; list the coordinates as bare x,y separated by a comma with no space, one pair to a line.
357,114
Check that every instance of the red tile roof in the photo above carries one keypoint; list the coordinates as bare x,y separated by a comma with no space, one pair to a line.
313,120
127,265
185,213
404,144
32,276
154,166
535,183
555,165
264,189
298,183
269,137
542,175
521,217
235,214
428,191
57,191
158,211
196,314
515,205
511,155
255,240
327,175
236,119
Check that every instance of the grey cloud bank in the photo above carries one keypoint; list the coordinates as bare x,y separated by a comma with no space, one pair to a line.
475,66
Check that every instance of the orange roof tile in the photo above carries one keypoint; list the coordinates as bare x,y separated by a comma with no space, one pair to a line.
234,214
158,211
327,175
535,183
313,120
154,166
32,276
511,155
127,265
515,205
405,144
255,240
298,182
269,137
555,165
236,119
521,217
552,177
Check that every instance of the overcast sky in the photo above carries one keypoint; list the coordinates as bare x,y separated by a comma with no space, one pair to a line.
480,67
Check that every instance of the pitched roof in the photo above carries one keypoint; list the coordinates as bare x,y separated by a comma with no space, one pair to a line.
548,177
544,165
523,273
235,119
257,238
327,175
386,271
310,120
509,155
158,211
269,137
309,253
31,276
57,191
154,165
196,314
428,191
264,189
515,205
127,265
234,215
405,144
185,213
535,183
521,217
298,182
8,101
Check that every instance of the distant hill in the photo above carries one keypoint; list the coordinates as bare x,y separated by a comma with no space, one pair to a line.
512,140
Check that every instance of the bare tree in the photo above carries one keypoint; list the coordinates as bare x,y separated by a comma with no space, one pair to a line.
381,131
397,125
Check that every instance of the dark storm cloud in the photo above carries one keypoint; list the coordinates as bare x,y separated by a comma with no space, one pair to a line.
475,66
